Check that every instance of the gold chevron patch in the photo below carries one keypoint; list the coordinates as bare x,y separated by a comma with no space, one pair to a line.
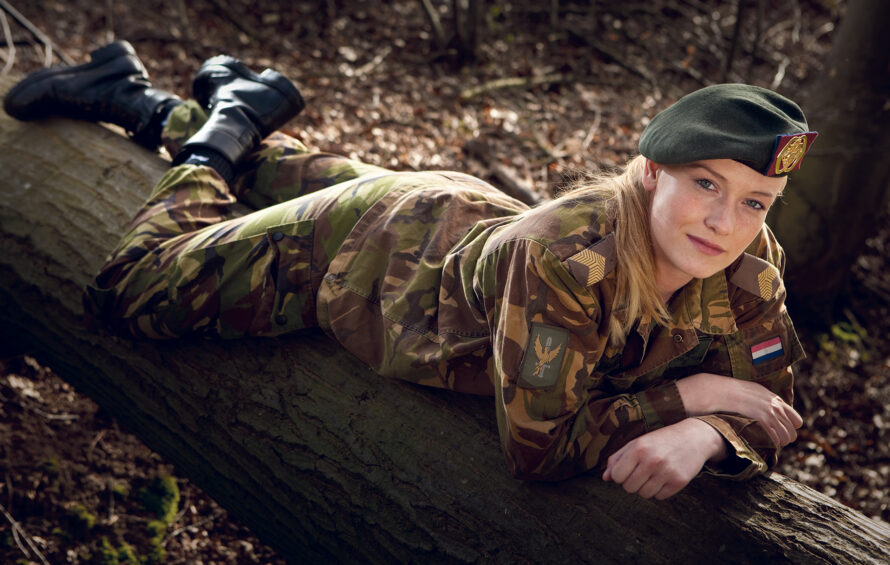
765,279
595,263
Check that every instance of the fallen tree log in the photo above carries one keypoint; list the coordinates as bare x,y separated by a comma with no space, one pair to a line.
320,457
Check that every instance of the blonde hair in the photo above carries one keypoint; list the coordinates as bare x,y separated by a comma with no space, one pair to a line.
627,206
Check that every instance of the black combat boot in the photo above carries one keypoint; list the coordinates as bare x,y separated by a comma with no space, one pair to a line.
113,87
244,108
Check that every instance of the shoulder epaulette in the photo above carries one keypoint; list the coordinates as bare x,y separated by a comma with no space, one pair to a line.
760,278
591,265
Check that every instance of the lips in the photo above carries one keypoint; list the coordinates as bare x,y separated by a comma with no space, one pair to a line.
705,246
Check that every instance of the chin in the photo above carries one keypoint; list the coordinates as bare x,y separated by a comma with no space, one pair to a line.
705,271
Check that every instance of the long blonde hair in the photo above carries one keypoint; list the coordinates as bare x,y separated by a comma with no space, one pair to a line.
627,206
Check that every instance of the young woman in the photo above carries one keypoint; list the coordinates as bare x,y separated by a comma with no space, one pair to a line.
635,325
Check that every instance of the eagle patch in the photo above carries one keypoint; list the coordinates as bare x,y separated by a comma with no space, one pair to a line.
542,361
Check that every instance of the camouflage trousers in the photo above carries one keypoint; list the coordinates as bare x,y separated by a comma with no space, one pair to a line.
191,262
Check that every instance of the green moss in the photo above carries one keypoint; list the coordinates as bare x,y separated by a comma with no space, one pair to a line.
161,497
126,555
109,555
156,530
121,491
846,342
50,466
156,555
106,555
81,519
60,532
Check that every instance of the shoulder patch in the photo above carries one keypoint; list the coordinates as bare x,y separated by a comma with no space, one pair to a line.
542,361
757,276
591,265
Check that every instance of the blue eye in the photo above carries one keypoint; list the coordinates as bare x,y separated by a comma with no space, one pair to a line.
705,184
754,204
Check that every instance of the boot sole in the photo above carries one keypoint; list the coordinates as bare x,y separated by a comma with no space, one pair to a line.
269,77
34,110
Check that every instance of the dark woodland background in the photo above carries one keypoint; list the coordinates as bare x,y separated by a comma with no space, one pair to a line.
525,94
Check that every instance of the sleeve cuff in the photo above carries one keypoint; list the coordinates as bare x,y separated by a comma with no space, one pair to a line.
742,462
661,406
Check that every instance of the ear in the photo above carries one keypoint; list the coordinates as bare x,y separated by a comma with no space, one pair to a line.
650,175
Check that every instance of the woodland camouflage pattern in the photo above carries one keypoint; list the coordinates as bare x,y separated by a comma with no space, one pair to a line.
440,279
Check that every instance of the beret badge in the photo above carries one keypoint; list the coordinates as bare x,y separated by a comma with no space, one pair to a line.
789,152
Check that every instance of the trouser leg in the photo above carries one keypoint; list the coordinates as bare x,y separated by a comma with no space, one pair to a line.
189,264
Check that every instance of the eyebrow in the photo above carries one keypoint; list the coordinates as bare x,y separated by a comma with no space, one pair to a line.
722,179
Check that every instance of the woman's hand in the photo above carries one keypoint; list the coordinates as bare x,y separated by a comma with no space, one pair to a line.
705,393
660,463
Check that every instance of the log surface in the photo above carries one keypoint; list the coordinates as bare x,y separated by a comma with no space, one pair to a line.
319,456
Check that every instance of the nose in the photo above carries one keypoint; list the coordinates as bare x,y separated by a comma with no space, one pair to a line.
719,217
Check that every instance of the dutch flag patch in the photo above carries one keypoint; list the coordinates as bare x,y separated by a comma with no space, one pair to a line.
767,350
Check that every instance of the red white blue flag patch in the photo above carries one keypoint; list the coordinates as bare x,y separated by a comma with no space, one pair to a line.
767,350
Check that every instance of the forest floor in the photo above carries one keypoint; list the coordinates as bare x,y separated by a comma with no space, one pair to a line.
381,88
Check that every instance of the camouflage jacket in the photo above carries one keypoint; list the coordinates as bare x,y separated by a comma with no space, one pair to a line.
468,290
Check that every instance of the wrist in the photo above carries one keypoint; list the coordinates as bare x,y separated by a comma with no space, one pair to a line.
713,443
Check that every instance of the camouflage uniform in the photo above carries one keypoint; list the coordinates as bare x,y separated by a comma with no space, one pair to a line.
440,279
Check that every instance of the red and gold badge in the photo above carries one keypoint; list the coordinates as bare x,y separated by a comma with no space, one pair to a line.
789,152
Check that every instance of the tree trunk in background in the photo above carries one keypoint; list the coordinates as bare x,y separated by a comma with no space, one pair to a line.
320,457
833,202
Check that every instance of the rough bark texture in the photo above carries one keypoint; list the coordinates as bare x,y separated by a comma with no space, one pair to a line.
318,455
833,202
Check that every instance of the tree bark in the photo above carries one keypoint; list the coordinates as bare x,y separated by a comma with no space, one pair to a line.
320,457
833,202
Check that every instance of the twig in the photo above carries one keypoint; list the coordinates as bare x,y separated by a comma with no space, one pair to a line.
95,443
435,23
514,82
9,489
39,35
182,13
734,42
373,63
51,416
18,531
588,139
109,21
795,31
9,43
780,73
111,518
197,524
226,12
543,145
755,44
614,56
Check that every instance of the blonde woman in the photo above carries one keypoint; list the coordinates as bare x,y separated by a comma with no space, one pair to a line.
635,326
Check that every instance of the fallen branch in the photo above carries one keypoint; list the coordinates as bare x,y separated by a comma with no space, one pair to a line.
514,82
506,179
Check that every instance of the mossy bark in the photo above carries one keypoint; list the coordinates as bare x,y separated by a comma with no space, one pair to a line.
319,456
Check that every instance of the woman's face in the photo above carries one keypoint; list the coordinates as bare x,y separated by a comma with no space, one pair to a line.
703,215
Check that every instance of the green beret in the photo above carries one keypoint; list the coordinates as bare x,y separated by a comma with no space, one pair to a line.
749,124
